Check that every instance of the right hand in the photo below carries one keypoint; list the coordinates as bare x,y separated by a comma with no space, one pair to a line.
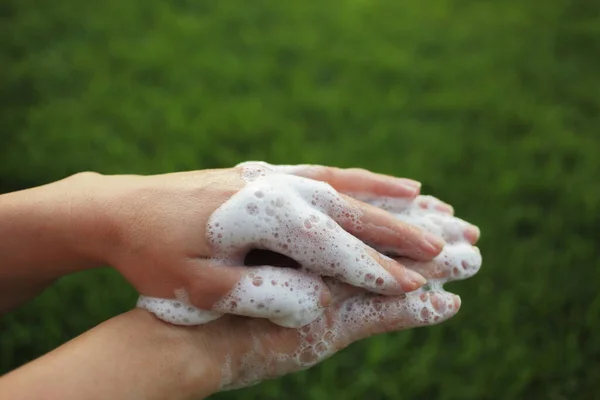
175,233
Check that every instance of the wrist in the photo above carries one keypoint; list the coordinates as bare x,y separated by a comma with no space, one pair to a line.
44,233
88,229
188,370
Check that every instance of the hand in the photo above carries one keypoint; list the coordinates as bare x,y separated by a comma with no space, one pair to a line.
186,235
247,351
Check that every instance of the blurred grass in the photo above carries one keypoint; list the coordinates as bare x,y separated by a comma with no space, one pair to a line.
493,104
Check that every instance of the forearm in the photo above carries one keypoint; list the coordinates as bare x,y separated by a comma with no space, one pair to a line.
132,356
44,232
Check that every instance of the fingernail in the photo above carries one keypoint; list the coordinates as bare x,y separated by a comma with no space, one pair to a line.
457,302
406,191
414,280
411,183
434,242
472,233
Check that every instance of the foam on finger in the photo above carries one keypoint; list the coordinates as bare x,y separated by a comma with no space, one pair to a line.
457,261
288,297
367,314
177,311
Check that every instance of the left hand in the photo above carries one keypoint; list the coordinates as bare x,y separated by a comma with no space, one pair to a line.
246,351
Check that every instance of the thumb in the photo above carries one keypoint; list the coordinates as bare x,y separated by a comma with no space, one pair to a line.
288,297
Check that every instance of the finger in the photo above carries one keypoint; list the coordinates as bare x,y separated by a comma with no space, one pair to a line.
431,214
430,203
372,225
383,231
356,180
448,227
339,290
420,203
190,304
440,213
176,311
326,249
287,297
455,229
456,262
369,314
472,233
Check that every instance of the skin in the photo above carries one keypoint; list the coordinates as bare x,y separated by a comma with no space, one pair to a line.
152,229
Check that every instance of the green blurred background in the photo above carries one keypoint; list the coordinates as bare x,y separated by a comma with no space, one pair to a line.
493,104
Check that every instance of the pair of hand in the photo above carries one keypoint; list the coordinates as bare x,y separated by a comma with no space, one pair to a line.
359,266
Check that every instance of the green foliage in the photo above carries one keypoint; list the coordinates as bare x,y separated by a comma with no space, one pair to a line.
494,105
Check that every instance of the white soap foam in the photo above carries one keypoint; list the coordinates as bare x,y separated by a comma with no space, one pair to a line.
299,217
176,312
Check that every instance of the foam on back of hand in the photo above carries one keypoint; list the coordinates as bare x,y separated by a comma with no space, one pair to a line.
178,311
